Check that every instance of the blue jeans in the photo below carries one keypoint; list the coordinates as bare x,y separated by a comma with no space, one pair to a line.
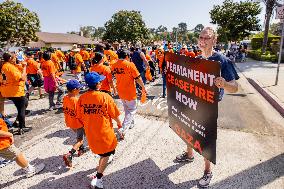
164,84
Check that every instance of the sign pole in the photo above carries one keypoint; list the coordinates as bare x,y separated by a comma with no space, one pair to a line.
280,53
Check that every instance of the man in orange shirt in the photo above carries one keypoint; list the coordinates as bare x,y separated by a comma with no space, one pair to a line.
99,67
71,120
54,58
96,110
111,55
8,151
183,50
80,63
34,75
190,53
13,86
61,58
127,75
86,58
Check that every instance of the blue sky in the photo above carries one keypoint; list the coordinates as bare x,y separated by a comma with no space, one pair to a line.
68,15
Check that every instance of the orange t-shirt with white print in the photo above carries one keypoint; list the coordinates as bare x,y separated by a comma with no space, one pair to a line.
32,66
78,60
148,57
48,68
69,110
96,110
5,142
12,85
111,55
125,73
103,70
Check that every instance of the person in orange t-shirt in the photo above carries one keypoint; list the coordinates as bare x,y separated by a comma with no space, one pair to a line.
96,110
54,58
183,51
127,75
86,58
34,75
71,120
50,81
80,63
8,151
111,55
99,67
190,53
61,58
13,87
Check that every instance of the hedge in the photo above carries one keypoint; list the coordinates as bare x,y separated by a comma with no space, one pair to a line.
257,55
256,42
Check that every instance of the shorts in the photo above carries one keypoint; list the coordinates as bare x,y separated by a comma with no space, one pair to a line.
9,153
35,80
107,154
80,133
49,84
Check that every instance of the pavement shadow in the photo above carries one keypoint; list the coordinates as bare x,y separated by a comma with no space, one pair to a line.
76,180
145,174
256,176
66,133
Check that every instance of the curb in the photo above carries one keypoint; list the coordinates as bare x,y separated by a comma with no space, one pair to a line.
271,101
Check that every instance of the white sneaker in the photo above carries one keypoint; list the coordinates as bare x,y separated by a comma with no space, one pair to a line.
35,170
97,183
205,180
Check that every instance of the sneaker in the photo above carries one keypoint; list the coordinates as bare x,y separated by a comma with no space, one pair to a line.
184,158
4,162
131,126
81,151
21,131
97,183
35,170
67,159
51,108
121,133
205,180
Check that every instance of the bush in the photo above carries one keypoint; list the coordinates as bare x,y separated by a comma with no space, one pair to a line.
257,55
256,42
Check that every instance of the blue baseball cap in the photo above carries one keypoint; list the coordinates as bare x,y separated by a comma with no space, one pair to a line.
73,84
92,78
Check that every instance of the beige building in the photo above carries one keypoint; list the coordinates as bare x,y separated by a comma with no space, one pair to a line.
64,41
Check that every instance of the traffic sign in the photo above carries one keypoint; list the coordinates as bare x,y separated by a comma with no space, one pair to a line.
280,12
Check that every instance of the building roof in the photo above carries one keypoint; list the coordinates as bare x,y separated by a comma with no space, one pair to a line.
47,37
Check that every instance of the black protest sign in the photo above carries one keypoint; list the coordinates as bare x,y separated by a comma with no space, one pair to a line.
193,101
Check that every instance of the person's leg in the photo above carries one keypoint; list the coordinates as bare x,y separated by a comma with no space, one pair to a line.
102,164
130,108
20,103
2,102
21,160
60,94
51,99
164,85
186,156
207,176
143,77
189,151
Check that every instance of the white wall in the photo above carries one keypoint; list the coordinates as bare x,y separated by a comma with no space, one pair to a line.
64,47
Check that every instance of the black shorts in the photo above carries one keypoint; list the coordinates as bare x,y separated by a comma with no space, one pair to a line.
107,154
35,80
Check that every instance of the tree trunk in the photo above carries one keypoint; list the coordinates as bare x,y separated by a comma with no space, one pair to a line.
268,12
266,30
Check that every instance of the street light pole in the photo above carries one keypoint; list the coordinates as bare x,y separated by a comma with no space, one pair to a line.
280,53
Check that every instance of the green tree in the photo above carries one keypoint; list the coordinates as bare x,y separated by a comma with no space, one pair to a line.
99,33
236,19
198,28
127,26
88,31
18,25
276,28
270,5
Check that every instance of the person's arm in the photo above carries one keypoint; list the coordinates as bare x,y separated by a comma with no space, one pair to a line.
142,55
113,87
24,72
140,82
118,122
229,86
7,134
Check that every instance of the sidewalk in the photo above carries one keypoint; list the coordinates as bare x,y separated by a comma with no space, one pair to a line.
264,74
